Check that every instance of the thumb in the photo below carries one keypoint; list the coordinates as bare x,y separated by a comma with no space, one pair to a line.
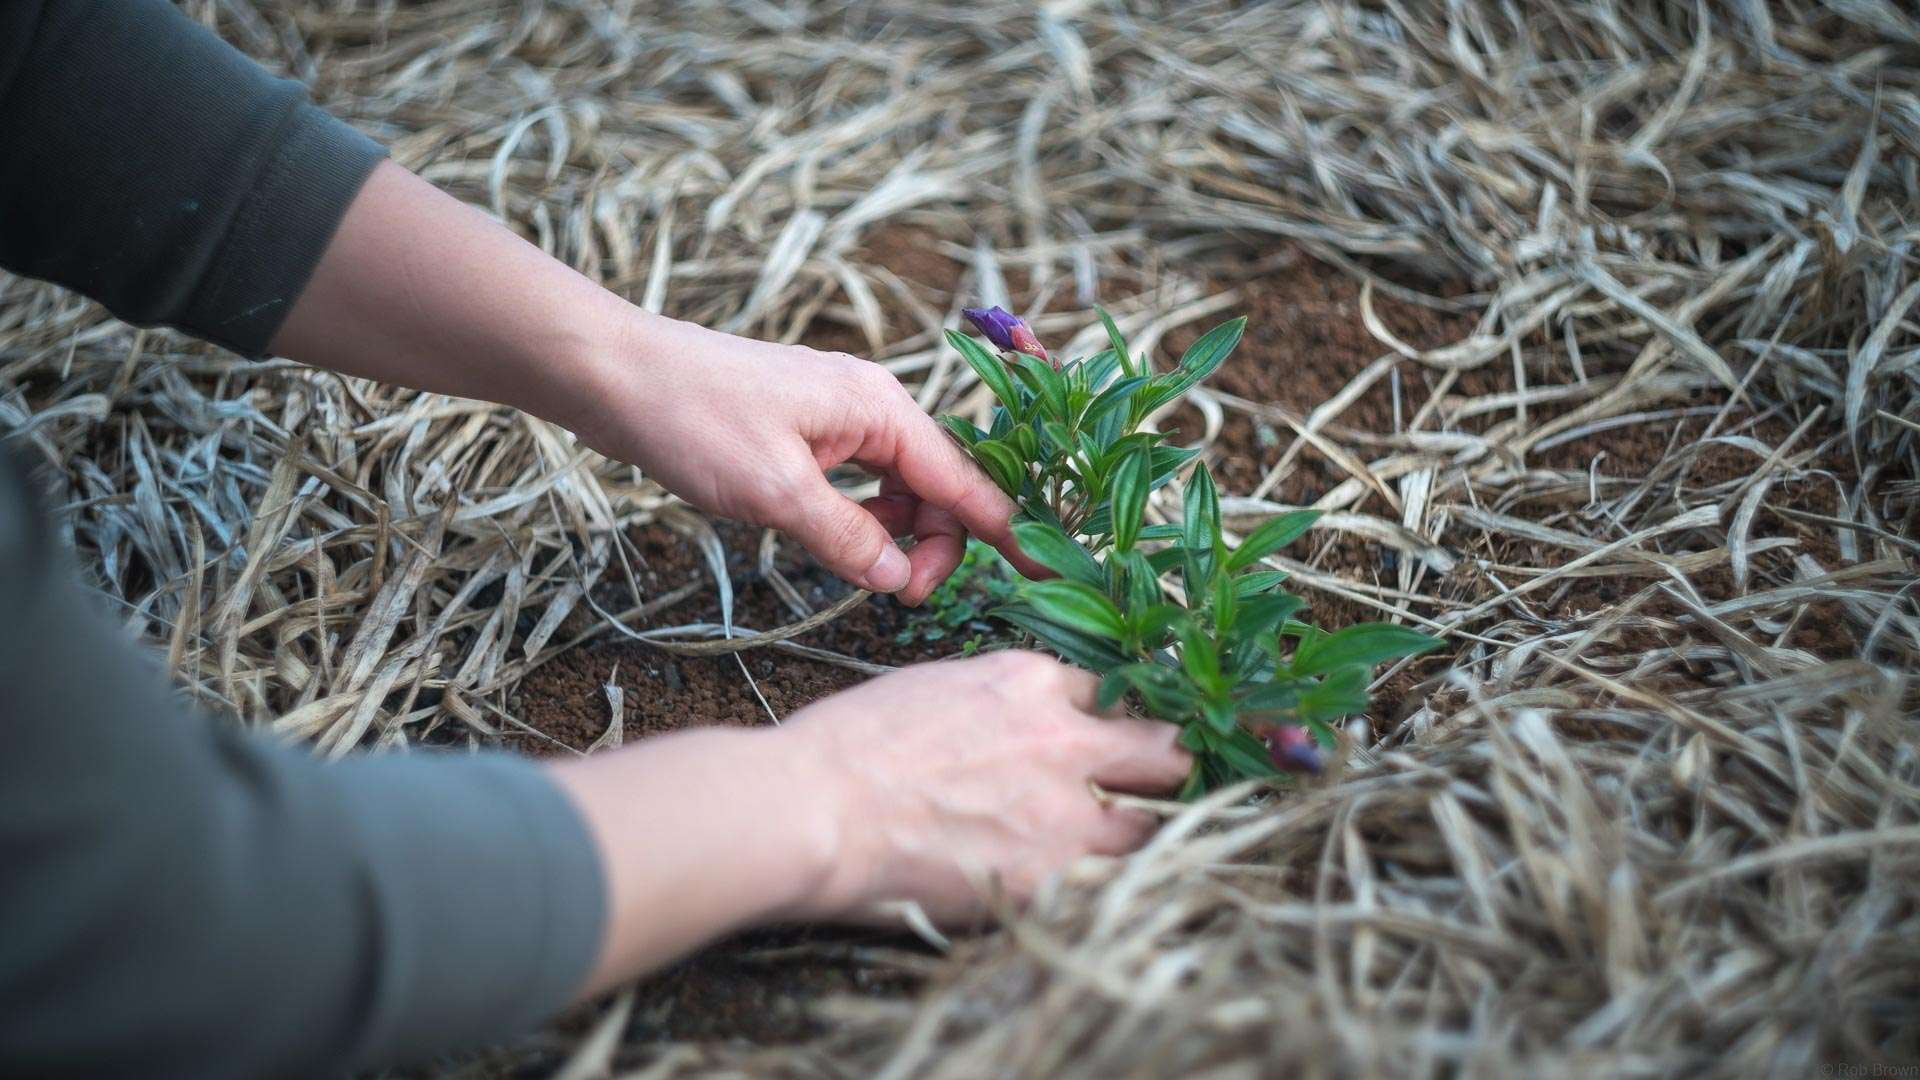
846,538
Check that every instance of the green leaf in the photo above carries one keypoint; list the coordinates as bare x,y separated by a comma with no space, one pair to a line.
1219,716
1200,527
1152,623
1279,695
1167,460
1002,423
1083,649
1112,398
1167,558
1249,661
1129,486
1002,463
1246,755
1205,356
1076,606
1362,646
1225,604
1143,585
1045,382
1257,582
1342,693
1109,428
1054,549
1199,656
1100,522
961,428
1262,614
1166,692
1079,378
1166,531
1113,455
1272,535
1099,368
1063,441
1119,342
988,366
1197,566
1200,360
1038,510
1023,439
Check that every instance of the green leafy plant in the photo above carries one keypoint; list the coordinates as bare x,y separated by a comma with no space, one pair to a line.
963,602
1197,632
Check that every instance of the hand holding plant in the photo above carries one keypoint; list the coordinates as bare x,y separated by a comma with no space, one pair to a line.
1199,633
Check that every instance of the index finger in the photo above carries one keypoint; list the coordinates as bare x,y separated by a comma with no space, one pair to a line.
935,468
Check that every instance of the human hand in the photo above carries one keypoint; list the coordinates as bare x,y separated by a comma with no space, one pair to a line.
746,429
421,290
930,784
942,777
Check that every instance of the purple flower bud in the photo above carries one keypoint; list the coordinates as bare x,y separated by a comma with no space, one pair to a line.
1293,750
1007,331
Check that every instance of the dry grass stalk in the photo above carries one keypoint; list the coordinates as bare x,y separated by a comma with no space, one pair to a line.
1663,833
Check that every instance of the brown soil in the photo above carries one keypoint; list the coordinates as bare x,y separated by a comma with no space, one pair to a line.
566,700
913,255
758,987
1683,461
1304,343
916,256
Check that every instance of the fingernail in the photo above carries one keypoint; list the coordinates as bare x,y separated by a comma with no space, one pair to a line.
889,572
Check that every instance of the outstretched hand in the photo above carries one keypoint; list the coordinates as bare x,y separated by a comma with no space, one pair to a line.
944,784
747,429
421,290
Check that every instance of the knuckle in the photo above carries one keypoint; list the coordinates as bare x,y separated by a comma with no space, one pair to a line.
788,489
1025,665
1057,736
864,374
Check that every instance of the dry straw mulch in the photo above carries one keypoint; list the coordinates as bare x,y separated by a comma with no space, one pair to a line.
1656,811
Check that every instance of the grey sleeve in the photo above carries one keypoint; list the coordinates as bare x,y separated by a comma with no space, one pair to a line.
149,165
178,898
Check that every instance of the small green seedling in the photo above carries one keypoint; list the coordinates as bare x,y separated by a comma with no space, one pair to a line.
962,604
1198,633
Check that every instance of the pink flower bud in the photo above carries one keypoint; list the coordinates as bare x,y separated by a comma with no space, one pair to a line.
1293,750
1024,341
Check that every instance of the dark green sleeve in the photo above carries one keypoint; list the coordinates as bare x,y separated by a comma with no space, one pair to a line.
147,164
181,899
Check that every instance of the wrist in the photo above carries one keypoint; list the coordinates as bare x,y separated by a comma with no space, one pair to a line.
699,835
806,802
582,376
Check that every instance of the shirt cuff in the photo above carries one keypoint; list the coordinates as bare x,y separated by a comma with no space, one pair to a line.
281,231
491,895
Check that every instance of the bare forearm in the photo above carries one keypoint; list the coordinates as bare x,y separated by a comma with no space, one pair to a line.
419,289
699,834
